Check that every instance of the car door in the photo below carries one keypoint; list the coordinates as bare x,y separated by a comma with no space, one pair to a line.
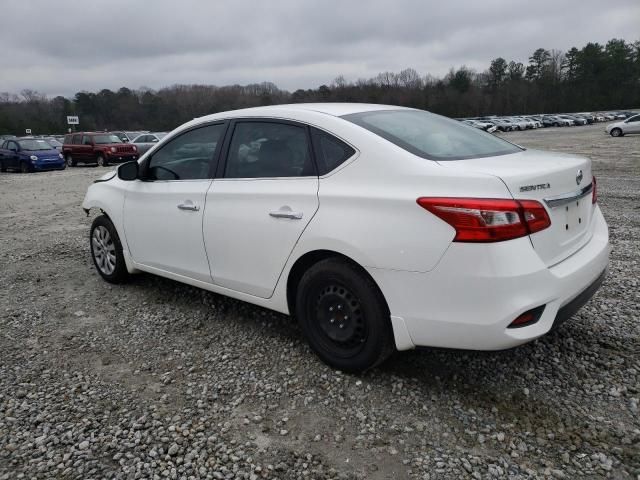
163,211
263,197
12,155
632,125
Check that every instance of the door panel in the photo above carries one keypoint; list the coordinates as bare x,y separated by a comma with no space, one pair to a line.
160,234
257,212
251,226
163,213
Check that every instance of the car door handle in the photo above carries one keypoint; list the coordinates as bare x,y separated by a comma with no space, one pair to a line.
286,213
188,206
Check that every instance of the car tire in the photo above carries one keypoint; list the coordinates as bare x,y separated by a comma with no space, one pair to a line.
2,167
344,316
24,167
102,161
70,161
556,124
106,251
616,132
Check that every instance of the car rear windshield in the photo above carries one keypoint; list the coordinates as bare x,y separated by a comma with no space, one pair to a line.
102,139
431,136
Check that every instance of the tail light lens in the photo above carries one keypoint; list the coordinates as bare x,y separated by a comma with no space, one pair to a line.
486,219
594,197
527,318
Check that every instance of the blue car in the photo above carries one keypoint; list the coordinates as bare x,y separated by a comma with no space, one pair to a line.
29,155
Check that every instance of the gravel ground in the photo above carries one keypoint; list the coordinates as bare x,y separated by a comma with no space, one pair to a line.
156,379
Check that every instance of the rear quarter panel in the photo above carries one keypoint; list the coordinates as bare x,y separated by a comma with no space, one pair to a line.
368,208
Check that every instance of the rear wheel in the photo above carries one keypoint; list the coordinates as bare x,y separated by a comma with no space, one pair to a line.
616,132
3,168
70,161
344,316
106,251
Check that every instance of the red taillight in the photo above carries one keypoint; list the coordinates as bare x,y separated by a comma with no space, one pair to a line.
487,219
527,318
594,195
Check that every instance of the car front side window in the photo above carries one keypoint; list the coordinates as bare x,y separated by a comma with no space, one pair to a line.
186,157
269,150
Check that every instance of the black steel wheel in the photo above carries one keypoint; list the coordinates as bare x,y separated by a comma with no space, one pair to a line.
344,316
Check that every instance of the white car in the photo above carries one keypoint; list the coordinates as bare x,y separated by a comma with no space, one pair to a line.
486,126
377,227
630,125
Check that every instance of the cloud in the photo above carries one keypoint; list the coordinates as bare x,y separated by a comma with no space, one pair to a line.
63,47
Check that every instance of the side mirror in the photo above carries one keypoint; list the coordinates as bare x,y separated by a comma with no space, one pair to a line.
128,171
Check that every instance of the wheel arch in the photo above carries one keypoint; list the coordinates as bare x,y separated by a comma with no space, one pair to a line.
306,261
401,336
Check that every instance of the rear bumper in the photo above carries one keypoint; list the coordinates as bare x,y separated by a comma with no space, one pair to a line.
469,299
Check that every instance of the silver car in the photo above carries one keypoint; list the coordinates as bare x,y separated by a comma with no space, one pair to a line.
630,125
147,140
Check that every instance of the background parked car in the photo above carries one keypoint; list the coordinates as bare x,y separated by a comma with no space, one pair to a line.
147,140
481,125
96,147
28,155
128,136
630,125
54,143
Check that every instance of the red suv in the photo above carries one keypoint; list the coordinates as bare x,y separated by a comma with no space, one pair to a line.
102,148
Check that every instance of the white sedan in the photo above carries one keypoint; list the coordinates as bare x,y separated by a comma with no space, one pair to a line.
630,125
377,227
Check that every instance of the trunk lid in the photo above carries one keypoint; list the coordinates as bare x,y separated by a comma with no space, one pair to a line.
554,180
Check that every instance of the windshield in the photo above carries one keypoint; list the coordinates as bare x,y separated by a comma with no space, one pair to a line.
34,145
53,142
107,138
431,136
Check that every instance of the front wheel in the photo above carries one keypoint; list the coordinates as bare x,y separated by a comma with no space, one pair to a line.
616,132
344,316
101,161
106,251
24,167
70,161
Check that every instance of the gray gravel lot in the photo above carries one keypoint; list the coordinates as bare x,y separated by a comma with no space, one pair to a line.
156,379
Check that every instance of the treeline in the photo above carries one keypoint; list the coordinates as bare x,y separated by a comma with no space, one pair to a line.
596,77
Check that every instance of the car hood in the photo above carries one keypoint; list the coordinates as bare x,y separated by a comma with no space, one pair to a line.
43,153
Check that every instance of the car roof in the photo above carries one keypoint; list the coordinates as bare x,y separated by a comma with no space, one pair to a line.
334,109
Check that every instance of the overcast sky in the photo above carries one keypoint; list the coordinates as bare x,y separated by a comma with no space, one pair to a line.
61,47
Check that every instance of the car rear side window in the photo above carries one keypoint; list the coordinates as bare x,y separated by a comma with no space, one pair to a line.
67,139
431,136
267,150
329,151
186,157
